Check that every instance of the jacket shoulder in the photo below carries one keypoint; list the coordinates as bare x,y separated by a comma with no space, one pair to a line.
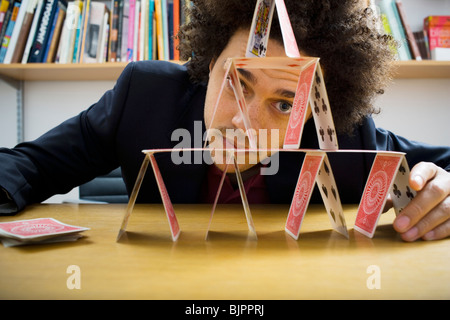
144,70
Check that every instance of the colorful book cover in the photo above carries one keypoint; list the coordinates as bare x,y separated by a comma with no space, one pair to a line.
9,30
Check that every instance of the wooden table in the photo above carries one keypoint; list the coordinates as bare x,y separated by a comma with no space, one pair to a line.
146,264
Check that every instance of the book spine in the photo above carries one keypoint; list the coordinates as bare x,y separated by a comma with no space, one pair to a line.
387,7
131,21
42,34
151,18
54,42
114,31
165,29
9,31
6,17
170,29
83,32
137,15
4,5
33,29
176,28
409,34
52,32
24,32
125,26
159,30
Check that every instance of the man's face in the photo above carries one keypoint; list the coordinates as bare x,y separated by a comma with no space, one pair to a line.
269,94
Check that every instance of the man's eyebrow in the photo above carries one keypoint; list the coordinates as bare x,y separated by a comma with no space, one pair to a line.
285,93
250,77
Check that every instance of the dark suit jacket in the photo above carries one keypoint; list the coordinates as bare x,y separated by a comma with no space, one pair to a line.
149,101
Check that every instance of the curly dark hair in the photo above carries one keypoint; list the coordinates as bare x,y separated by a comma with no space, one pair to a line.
356,58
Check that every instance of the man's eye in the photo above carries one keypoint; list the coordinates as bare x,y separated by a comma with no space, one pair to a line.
283,107
231,85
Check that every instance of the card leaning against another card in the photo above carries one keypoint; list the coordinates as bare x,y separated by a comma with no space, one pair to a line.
260,29
303,190
401,192
378,185
170,212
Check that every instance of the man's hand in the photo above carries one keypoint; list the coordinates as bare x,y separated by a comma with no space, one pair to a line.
427,216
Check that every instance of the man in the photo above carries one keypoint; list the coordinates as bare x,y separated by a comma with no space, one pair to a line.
152,100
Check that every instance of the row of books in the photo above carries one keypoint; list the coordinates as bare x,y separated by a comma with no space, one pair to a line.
432,42
87,31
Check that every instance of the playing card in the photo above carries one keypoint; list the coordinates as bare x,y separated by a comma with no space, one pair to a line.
219,189
10,242
235,84
303,191
330,196
260,29
134,194
299,108
321,111
173,222
39,230
274,63
36,228
401,192
248,214
290,44
382,174
227,67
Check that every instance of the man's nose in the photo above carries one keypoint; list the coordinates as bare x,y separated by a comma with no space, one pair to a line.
253,120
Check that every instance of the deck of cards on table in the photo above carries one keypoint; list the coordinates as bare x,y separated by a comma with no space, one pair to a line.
37,231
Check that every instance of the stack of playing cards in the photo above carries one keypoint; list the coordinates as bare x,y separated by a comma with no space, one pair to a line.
37,231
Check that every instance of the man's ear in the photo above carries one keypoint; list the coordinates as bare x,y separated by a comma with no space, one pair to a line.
211,64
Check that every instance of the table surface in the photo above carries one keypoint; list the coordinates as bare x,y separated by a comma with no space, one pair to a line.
147,264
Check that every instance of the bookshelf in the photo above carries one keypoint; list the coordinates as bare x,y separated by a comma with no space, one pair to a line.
425,69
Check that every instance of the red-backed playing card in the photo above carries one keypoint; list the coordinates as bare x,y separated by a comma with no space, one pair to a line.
382,174
170,212
302,195
36,229
290,44
299,108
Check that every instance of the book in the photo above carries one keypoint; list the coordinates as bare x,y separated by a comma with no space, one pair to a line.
422,42
169,53
131,22
137,23
409,34
102,55
176,28
93,32
68,34
124,31
6,7
33,29
81,41
389,8
55,36
440,54
144,21
438,31
9,29
151,31
23,31
114,33
42,34
159,29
